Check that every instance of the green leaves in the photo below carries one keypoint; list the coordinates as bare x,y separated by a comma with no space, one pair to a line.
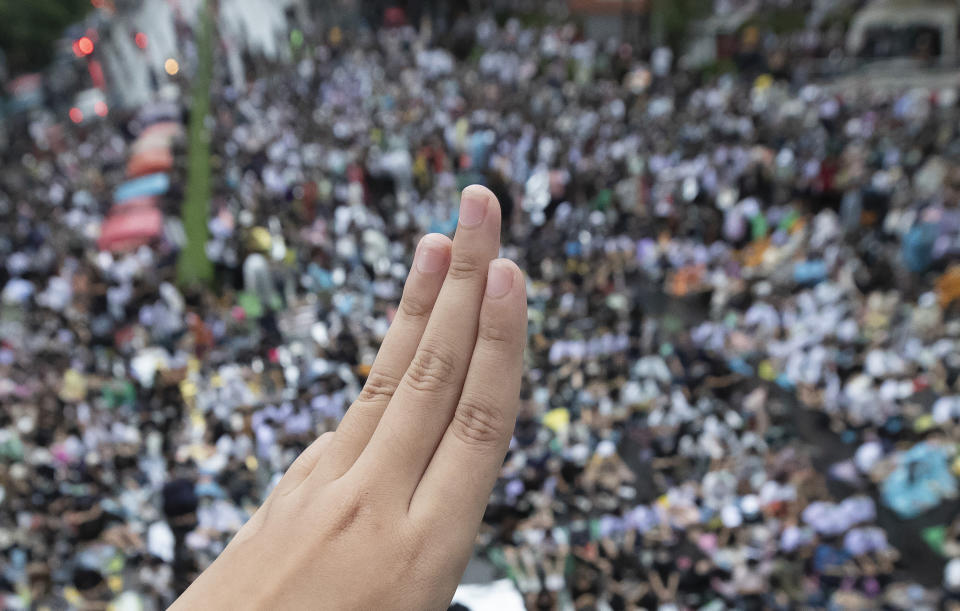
28,30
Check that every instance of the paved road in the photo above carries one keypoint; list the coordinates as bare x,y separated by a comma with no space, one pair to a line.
894,76
920,563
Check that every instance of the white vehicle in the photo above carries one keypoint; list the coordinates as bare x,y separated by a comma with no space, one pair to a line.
890,29
89,105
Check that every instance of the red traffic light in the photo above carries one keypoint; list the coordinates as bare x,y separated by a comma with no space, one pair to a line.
76,115
83,47
141,40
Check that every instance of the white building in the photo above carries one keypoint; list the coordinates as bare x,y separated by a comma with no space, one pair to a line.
257,27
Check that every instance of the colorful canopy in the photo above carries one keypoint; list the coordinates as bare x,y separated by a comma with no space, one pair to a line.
151,161
157,136
142,200
128,228
157,112
151,184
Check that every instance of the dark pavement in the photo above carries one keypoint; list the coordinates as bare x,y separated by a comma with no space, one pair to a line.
918,561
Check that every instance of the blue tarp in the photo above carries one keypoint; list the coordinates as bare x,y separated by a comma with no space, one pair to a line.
917,247
145,186
921,481
810,272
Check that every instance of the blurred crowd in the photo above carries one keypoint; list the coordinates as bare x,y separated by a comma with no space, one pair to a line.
726,275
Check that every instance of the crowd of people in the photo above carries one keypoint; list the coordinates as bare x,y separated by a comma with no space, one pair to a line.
709,260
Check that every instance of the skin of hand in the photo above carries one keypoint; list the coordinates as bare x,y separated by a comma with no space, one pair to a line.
382,513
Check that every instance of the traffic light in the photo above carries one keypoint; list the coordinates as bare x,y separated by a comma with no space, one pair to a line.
83,46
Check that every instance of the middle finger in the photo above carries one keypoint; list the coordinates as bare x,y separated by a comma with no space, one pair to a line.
424,402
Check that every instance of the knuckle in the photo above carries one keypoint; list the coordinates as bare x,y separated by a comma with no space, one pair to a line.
463,267
350,512
431,368
302,465
253,526
301,468
379,386
497,335
478,421
412,545
415,308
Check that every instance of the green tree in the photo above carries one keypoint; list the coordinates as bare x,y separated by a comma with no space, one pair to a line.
193,266
28,29
670,19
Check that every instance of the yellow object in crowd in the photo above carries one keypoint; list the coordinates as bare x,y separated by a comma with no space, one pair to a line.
766,371
74,387
259,239
948,286
923,423
115,583
188,389
763,82
72,596
557,419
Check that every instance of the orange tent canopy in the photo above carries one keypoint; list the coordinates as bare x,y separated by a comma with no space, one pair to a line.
149,162
171,129
158,135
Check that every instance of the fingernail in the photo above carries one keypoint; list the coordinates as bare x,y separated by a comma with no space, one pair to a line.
473,206
499,279
431,256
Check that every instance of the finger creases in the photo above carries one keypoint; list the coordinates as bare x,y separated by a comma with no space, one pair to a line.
424,403
486,410
301,468
467,461
397,350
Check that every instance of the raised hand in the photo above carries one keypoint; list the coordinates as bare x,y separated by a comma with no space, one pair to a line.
382,513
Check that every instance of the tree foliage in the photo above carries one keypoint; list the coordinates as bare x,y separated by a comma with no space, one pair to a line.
673,18
193,266
28,29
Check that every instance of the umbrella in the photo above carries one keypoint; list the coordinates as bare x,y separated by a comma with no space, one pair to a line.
151,184
130,228
150,162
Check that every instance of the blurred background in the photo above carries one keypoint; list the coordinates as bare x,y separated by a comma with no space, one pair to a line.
739,221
